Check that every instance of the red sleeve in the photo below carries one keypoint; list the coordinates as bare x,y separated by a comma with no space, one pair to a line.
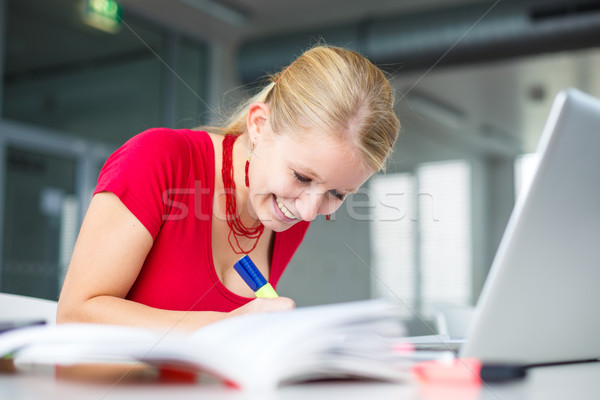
146,169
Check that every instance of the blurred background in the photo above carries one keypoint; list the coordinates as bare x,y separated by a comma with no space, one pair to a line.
474,81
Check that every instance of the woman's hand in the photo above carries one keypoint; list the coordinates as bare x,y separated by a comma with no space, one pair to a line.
264,305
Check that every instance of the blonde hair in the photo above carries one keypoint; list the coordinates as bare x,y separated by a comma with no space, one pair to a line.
335,89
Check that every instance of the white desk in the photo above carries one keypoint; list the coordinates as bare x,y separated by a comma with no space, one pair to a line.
572,382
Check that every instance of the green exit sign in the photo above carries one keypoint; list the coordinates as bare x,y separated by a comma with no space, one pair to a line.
105,15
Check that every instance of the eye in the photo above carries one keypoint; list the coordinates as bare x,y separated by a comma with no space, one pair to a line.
337,195
300,178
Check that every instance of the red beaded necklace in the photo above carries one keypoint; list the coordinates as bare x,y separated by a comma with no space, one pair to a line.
236,226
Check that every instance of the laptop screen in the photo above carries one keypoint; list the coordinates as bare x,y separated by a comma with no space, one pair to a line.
540,299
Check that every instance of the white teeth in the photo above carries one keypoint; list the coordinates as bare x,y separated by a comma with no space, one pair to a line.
284,209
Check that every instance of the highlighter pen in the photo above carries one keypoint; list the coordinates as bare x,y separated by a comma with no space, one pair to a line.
252,276
467,370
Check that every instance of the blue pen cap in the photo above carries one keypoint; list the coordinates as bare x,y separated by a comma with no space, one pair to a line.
251,275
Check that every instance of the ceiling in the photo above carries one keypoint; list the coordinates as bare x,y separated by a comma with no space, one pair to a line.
237,20
41,33
42,40
510,120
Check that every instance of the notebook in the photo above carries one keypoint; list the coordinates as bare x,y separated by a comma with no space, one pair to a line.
539,302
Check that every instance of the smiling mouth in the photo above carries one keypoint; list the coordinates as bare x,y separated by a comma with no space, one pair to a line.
284,209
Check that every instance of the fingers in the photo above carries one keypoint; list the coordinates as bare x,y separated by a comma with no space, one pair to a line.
264,305
276,304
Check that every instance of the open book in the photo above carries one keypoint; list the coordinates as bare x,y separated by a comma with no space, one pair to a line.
259,351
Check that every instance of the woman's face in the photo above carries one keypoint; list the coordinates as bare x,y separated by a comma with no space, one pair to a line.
297,176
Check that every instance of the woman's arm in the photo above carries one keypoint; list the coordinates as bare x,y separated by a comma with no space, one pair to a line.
109,253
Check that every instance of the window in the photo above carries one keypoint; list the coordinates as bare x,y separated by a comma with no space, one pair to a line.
392,238
421,236
38,222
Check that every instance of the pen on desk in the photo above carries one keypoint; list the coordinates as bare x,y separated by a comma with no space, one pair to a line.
473,370
252,276
467,370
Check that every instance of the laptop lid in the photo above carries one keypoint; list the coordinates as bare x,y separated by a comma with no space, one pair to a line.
539,303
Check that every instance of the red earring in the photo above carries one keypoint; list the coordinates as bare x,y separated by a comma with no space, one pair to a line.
248,166
328,217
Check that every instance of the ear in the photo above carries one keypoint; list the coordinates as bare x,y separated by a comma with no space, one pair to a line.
257,120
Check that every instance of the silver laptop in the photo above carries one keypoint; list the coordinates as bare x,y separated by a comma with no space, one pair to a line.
541,298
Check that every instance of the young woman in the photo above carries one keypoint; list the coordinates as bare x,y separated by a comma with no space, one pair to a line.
175,209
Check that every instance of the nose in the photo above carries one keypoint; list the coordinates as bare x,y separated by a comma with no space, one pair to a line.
309,203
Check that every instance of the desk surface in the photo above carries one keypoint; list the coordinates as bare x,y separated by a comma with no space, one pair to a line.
579,381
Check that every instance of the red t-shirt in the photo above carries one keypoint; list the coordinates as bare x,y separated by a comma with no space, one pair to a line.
166,179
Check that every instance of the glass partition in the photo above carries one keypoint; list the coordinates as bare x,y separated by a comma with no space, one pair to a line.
71,94
40,208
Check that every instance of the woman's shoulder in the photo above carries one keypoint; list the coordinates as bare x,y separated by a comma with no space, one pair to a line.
166,136
156,141
215,137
